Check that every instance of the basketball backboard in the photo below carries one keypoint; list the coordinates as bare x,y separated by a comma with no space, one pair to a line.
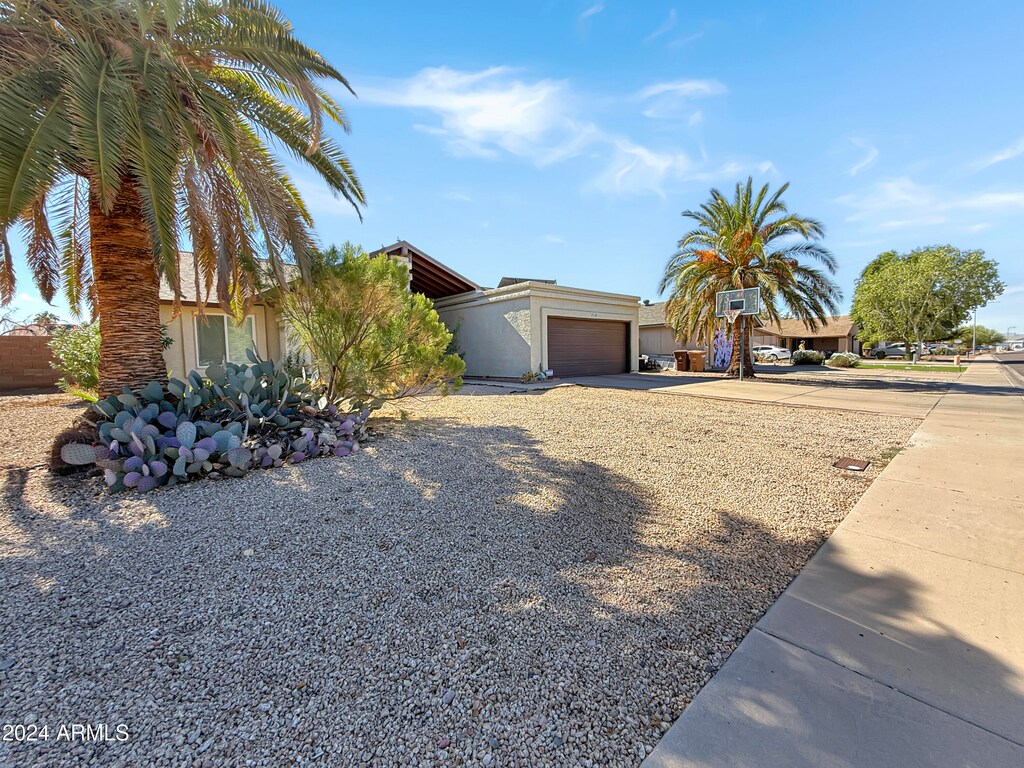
747,301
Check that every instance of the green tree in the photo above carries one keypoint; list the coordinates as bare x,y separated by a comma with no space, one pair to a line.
985,335
372,340
751,241
922,295
48,319
76,353
126,123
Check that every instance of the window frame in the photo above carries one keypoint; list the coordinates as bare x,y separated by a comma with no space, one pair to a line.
196,319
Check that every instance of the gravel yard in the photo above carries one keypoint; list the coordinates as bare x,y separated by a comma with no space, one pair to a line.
541,579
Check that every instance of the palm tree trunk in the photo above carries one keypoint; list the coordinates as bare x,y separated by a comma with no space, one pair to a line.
738,327
127,294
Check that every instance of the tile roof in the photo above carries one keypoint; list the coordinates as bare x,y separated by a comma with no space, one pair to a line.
652,314
839,325
189,290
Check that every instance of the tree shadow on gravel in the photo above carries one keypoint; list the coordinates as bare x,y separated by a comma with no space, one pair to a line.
453,591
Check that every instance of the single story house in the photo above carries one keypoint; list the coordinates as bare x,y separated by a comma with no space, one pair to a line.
657,338
196,343
523,325
837,335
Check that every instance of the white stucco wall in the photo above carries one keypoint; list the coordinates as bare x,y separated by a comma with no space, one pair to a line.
493,333
503,331
181,356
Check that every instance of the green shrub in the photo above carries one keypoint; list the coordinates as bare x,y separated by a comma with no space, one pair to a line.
843,360
807,357
76,353
372,339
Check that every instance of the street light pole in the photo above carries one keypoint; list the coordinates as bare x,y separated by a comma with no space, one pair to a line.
974,342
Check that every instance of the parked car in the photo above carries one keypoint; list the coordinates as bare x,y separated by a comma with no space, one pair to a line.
772,354
893,350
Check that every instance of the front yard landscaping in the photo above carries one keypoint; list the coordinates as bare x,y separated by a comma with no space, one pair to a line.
506,580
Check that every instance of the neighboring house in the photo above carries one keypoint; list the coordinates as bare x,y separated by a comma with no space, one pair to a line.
523,325
656,335
36,329
837,335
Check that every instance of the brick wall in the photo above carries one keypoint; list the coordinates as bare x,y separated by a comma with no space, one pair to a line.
25,362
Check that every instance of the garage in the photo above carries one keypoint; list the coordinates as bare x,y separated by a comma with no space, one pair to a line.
579,347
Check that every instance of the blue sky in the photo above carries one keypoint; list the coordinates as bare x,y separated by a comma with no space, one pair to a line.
562,139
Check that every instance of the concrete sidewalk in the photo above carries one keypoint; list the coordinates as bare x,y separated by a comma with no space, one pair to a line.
902,641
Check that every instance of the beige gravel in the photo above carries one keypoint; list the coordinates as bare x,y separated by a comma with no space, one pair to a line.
542,579
29,423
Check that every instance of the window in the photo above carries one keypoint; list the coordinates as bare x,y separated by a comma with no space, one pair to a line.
219,340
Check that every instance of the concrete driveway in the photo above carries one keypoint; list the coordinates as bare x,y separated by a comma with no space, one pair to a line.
874,392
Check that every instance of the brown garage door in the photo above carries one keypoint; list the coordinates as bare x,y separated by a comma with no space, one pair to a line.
587,347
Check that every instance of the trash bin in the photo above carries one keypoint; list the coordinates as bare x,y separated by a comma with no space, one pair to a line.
696,360
682,360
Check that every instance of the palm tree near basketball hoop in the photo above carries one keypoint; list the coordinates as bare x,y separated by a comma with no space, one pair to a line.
751,241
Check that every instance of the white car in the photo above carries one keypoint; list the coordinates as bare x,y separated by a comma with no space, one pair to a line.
771,354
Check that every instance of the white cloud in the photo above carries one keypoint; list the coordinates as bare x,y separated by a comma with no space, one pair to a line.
593,10
554,239
25,298
683,88
671,100
993,201
902,203
458,197
638,170
498,112
490,110
868,159
696,118
685,40
1012,151
666,26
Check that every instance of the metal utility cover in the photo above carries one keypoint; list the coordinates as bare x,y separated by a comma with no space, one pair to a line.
855,465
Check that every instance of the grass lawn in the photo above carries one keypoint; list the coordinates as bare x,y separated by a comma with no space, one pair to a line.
912,367
543,579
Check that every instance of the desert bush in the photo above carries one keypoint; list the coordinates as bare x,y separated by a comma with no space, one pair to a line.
843,360
239,418
372,340
76,352
807,357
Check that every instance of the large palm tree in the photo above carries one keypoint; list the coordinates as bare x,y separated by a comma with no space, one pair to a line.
751,241
126,124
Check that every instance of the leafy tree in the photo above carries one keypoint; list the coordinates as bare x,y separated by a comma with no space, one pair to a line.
372,340
124,123
750,241
922,295
76,353
985,335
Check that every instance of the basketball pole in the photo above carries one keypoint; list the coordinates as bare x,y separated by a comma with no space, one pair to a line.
743,320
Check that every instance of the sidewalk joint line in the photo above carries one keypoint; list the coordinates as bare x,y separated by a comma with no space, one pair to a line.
885,685
935,552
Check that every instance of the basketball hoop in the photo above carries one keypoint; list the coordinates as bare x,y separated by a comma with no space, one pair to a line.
731,315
